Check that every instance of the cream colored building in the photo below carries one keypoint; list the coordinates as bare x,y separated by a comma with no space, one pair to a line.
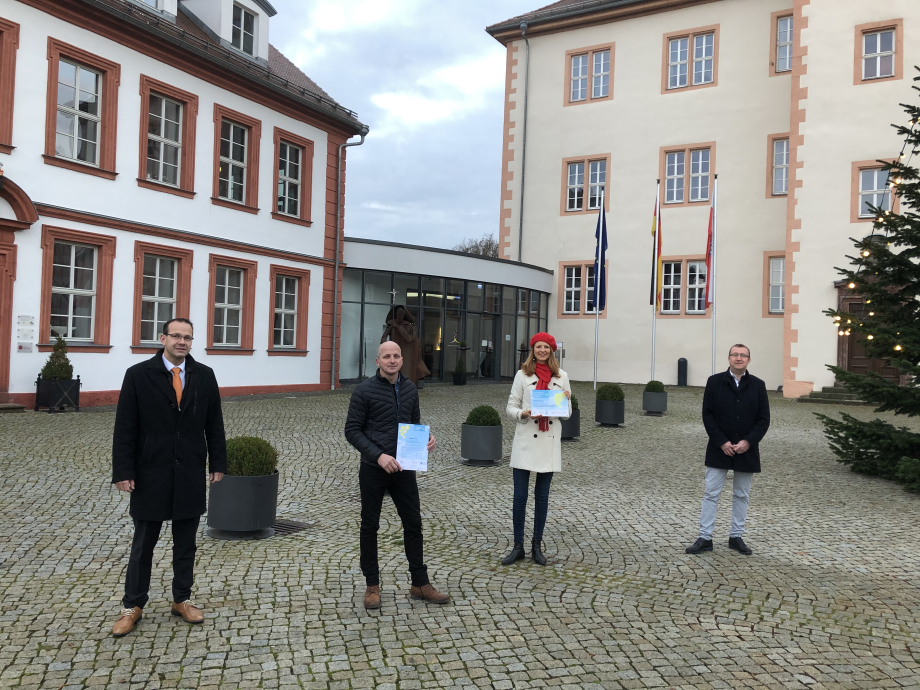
789,102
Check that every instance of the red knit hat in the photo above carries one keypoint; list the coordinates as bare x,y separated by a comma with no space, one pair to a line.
546,338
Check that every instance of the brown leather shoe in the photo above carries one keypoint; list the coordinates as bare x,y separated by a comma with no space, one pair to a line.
189,612
126,621
372,597
429,594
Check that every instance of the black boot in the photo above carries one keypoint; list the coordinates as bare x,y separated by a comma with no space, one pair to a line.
517,553
537,554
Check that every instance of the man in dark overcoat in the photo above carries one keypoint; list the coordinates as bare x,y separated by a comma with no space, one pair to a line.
378,406
736,414
167,426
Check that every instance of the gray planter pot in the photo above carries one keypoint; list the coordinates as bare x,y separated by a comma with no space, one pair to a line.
654,403
243,507
571,427
609,412
481,445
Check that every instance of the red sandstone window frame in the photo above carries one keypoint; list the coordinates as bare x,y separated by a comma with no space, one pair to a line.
183,258
189,103
9,44
250,275
102,314
682,313
306,177
583,312
766,313
254,127
567,77
687,149
690,34
587,160
771,140
896,25
303,298
774,34
856,168
108,115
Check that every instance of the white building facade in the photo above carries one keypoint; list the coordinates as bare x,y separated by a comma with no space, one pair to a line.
789,102
161,159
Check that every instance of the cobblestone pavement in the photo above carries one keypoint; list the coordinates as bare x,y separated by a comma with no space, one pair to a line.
828,600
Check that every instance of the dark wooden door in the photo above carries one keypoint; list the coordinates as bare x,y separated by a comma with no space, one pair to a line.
854,357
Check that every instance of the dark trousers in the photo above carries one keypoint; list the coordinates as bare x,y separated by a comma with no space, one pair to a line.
374,481
146,534
540,499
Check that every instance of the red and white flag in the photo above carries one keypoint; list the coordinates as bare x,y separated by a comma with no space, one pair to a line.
710,283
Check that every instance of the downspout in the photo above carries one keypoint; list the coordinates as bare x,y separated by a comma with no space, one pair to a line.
338,244
523,138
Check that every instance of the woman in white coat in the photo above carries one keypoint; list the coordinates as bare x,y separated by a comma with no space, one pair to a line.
537,441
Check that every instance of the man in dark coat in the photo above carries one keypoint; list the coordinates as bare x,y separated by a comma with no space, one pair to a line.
736,414
378,406
168,424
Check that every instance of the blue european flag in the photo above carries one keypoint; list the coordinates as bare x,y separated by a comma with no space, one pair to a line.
600,261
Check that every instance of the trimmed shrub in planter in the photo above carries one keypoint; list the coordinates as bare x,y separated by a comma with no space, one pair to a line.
654,399
610,405
243,504
481,436
55,387
571,427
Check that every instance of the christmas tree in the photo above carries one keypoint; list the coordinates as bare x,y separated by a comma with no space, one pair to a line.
886,273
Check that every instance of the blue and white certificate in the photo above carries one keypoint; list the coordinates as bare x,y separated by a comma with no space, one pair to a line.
549,403
412,447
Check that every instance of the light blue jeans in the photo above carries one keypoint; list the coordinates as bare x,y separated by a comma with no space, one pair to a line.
741,495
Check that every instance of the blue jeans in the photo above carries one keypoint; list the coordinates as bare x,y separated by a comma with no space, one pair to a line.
541,502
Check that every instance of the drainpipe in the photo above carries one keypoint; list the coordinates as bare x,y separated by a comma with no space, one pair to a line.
338,241
524,138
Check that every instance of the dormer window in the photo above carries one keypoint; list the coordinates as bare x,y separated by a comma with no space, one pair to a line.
244,29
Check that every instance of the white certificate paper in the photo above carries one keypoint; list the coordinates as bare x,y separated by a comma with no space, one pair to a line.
412,447
550,403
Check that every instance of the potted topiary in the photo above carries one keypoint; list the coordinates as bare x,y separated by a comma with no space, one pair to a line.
460,369
242,505
481,436
55,387
654,399
610,405
571,427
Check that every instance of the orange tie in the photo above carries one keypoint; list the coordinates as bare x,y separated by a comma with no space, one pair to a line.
177,384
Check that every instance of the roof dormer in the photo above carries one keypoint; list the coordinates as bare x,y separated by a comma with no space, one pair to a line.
241,25
167,8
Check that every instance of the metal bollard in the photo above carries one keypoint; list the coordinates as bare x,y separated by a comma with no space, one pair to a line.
682,371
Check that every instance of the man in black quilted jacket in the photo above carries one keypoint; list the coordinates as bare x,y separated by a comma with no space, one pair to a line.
378,406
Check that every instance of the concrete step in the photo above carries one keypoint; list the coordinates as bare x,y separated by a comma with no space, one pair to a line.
829,400
6,408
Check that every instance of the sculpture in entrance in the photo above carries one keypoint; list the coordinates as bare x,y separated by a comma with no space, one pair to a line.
401,330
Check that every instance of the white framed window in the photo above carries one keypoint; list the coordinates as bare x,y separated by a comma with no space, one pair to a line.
79,95
228,305
597,181
572,290
670,287
73,291
777,284
158,295
696,287
233,158
699,175
703,47
780,166
164,139
285,324
589,289
244,30
783,61
601,74
675,163
873,191
878,54
579,91
289,157
677,62
576,187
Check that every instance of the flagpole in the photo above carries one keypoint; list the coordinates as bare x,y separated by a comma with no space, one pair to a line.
712,270
655,273
597,288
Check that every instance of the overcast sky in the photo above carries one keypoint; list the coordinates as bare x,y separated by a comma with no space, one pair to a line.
429,82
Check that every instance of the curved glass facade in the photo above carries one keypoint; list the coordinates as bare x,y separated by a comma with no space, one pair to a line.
495,322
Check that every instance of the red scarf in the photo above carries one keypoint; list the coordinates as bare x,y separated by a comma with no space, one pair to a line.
544,374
